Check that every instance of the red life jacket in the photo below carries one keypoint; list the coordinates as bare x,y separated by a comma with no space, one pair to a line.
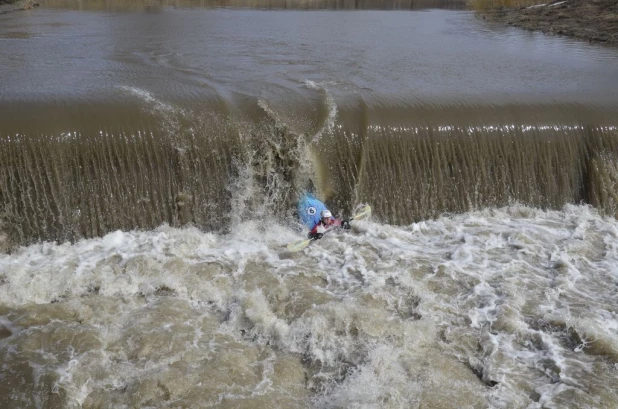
321,227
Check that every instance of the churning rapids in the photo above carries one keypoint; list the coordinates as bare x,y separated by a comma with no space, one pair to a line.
151,159
504,308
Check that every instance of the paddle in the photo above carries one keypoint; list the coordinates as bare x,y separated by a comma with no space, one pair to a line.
364,213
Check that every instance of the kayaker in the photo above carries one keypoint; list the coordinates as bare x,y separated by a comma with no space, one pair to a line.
327,222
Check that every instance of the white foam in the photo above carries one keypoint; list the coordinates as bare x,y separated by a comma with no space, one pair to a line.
524,296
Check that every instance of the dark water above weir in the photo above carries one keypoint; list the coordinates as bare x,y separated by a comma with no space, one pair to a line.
151,154
194,53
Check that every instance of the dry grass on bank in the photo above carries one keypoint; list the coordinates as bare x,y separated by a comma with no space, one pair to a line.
485,5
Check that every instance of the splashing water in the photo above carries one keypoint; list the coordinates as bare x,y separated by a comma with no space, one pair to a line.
510,307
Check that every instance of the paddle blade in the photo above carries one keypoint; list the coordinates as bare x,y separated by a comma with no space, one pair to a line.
298,245
364,213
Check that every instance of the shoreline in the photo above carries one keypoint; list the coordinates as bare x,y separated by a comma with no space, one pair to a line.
9,6
590,20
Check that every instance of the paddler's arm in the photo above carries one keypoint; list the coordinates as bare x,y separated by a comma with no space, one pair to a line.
313,234
344,224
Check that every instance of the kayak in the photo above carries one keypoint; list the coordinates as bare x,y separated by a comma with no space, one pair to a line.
309,209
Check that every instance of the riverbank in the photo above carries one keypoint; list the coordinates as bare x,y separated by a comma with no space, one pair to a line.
9,6
591,20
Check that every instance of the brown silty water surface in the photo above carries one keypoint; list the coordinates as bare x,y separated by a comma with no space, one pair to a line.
115,120
163,146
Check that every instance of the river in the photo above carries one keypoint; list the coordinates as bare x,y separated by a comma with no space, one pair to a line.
151,155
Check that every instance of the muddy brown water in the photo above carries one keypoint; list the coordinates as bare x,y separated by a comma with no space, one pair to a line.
121,116
163,146
118,115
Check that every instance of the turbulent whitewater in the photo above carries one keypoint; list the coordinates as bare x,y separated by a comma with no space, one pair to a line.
502,308
152,154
